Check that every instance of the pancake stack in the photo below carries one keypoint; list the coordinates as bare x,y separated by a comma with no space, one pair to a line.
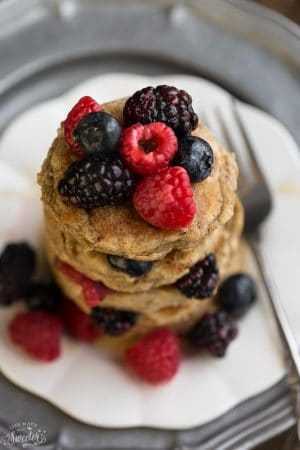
86,241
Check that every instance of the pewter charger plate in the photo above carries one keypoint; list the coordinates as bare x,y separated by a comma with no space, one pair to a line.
48,46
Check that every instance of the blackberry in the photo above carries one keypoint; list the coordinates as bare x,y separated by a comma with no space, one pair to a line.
17,264
213,332
43,296
92,182
237,294
132,267
202,279
113,321
195,155
165,104
98,132
9,293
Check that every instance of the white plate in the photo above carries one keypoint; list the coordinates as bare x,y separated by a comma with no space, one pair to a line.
90,385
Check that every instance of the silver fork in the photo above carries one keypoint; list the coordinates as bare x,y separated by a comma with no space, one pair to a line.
257,200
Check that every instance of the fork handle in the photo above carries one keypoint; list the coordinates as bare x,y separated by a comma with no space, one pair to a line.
276,303
286,332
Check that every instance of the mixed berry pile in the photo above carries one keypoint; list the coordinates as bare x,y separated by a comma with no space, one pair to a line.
156,357
152,163
153,160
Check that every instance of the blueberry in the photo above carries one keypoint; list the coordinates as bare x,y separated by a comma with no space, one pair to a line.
195,155
43,296
98,133
237,294
130,266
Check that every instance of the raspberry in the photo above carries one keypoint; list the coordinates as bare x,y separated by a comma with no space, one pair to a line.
93,292
165,199
70,272
84,106
113,321
93,183
201,280
213,332
38,333
156,357
148,148
165,104
77,323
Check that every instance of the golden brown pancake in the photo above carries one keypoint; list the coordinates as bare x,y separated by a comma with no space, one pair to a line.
118,229
164,271
83,239
164,306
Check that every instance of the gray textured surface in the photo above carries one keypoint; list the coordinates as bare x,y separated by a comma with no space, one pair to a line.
47,46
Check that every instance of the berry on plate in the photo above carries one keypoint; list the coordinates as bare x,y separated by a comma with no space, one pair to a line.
132,267
77,323
196,156
213,332
156,357
9,293
202,279
17,265
148,148
43,296
165,200
84,106
93,183
237,294
165,104
98,133
38,333
114,322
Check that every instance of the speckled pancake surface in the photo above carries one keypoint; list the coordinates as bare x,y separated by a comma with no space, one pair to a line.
164,271
164,306
118,229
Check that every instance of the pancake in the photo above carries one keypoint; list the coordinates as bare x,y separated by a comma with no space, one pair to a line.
164,306
165,271
118,229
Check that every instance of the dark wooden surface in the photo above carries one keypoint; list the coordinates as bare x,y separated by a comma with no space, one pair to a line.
286,441
291,9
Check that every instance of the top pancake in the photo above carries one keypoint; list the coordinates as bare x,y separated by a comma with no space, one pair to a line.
118,229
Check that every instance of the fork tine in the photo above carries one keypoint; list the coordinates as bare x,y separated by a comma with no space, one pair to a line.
230,144
255,194
215,127
204,117
249,172
246,141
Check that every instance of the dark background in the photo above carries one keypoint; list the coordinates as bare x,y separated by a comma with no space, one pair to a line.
291,9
